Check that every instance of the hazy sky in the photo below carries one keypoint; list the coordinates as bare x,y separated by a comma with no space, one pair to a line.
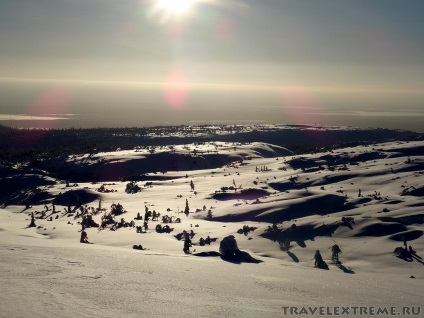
182,60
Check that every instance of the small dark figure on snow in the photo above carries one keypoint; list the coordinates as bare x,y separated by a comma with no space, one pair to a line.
318,259
32,224
84,237
146,213
335,249
187,245
146,226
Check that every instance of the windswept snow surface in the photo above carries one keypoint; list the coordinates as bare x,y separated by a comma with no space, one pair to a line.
46,272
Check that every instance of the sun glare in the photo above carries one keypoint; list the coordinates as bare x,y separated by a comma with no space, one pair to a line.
174,7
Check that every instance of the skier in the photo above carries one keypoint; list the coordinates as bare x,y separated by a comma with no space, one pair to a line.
187,244
84,237
318,259
335,249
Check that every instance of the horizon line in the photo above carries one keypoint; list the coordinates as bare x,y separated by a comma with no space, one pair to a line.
221,86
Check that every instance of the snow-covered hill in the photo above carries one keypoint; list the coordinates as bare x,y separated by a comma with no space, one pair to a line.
367,199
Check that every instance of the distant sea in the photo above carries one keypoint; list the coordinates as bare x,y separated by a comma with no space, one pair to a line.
29,105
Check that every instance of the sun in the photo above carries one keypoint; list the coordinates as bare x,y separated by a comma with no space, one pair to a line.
174,7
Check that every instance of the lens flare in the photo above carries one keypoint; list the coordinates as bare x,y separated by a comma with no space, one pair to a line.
176,90
55,102
300,103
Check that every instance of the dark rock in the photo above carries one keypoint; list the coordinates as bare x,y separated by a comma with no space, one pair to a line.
228,246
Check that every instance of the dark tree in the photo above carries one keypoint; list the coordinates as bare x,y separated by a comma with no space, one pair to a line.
187,209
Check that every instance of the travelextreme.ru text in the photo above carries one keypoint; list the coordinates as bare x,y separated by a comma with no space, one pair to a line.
352,310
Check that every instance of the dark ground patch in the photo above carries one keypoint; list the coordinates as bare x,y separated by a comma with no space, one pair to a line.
246,194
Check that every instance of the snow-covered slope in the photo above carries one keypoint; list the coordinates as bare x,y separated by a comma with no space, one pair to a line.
367,199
